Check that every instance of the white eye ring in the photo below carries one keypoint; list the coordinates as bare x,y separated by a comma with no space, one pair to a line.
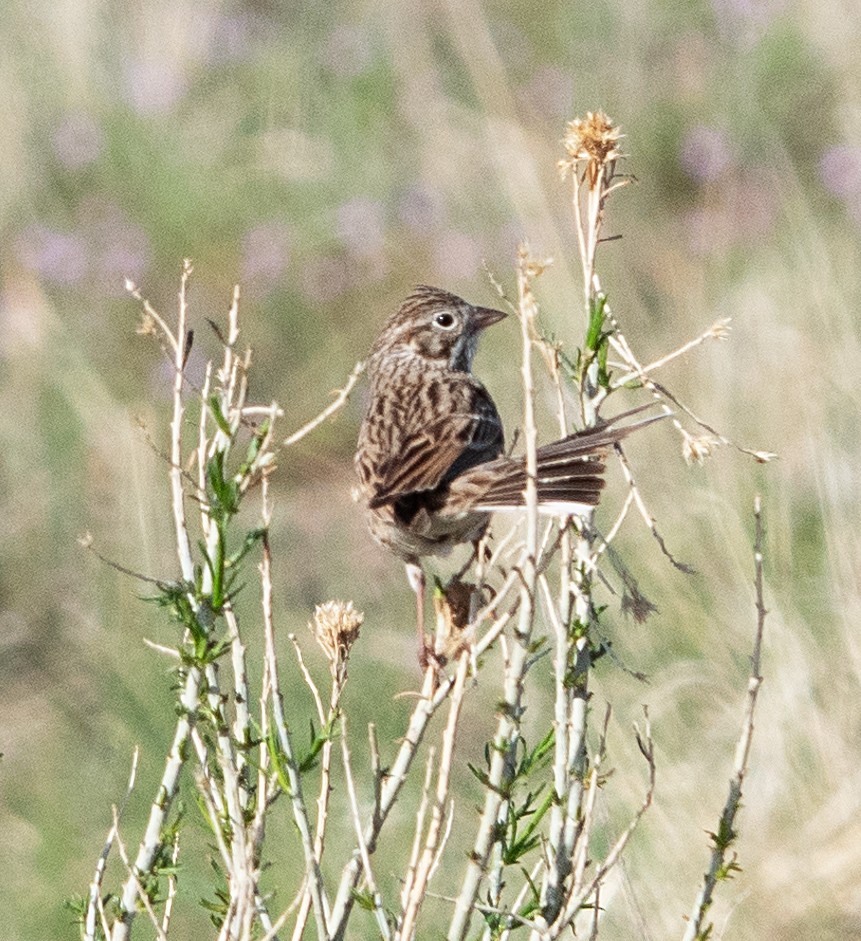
444,320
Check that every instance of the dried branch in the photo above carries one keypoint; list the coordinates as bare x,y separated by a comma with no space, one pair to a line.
501,772
94,898
724,838
339,401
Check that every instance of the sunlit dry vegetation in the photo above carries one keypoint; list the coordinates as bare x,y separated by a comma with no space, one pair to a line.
327,161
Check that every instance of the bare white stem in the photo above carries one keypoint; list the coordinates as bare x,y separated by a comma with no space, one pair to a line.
725,836
577,900
140,891
96,885
300,813
151,842
409,879
339,401
502,759
379,912
432,840
716,331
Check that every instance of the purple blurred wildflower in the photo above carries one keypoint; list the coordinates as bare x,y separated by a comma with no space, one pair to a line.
78,140
421,209
360,226
706,154
265,252
840,171
60,257
230,37
119,247
746,19
324,279
457,256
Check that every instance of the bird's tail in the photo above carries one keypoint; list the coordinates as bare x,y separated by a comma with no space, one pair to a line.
569,471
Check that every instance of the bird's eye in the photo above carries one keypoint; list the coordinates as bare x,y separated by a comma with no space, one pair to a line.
446,321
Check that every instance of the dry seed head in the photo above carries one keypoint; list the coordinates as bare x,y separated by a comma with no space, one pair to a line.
696,448
336,628
146,326
720,329
592,140
531,266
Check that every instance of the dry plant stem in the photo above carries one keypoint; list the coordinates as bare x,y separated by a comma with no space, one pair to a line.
300,813
139,889
325,774
428,856
696,927
433,694
502,769
584,835
94,900
590,191
231,391
191,689
379,911
339,401
648,519
514,919
637,371
205,782
575,902
278,924
409,880
215,820
242,877
716,331
427,705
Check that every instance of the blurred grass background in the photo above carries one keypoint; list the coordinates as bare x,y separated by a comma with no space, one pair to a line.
328,157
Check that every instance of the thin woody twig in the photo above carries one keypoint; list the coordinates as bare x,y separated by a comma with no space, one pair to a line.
717,331
575,902
502,756
300,814
96,885
133,876
382,922
726,834
191,690
309,680
644,512
339,402
171,887
425,865
409,880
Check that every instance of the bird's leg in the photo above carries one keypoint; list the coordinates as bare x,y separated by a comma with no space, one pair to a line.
416,578
468,565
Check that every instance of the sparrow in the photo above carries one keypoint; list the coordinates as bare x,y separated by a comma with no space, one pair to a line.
431,458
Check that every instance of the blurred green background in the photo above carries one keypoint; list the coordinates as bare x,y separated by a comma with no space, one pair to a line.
328,157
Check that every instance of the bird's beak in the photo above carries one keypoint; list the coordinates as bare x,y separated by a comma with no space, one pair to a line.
486,316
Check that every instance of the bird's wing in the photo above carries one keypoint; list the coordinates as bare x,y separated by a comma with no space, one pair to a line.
434,452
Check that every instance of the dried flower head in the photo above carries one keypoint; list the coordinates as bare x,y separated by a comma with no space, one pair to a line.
146,327
531,266
336,628
696,448
720,329
593,140
635,603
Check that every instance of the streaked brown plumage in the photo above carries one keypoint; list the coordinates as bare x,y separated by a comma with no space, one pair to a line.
430,452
